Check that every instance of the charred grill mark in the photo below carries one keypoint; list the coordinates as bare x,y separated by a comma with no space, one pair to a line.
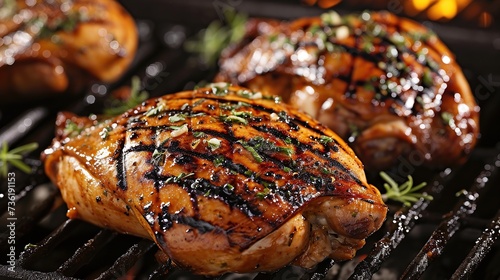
293,122
304,147
120,167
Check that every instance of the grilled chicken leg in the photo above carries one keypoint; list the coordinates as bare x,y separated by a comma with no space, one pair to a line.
387,85
51,47
221,178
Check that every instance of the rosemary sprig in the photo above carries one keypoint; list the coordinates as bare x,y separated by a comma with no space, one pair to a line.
405,193
14,157
210,42
137,96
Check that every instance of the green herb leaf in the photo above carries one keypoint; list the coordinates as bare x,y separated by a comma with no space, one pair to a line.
213,143
325,140
153,111
252,151
233,119
405,193
177,118
14,157
199,134
209,43
72,129
105,132
263,194
447,117
136,97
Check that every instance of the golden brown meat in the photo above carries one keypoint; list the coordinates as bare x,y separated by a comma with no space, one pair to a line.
221,179
385,84
50,47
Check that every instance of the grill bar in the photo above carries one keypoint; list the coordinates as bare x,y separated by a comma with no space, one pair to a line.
127,260
448,227
178,70
162,272
29,255
480,250
320,272
25,223
22,125
403,222
85,253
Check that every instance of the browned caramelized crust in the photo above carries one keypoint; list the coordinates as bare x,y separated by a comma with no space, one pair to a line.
223,179
385,84
49,47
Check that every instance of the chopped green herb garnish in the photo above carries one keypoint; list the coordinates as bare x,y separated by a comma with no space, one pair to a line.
427,78
219,160
178,130
72,129
199,134
263,194
231,107
447,117
287,169
249,94
183,175
198,102
252,151
220,89
155,110
158,157
105,132
177,118
213,143
243,114
233,119
229,187
327,171
14,157
265,146
325,140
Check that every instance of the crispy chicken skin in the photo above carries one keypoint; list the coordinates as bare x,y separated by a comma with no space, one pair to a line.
221,178
386,85
51,47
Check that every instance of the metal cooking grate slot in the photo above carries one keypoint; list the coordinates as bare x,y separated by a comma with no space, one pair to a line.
480,250
85,253
403,222
448,227
178,70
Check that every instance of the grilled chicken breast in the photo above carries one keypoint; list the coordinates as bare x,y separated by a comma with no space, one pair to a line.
50,47
386,85
221,178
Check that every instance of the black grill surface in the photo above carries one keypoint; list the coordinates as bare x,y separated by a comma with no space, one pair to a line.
451,237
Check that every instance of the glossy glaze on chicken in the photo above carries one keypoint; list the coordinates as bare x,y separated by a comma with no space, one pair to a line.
385,84
50,47
223,179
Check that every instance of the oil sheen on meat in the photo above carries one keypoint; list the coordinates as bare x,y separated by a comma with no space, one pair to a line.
223,179
54,47
386,85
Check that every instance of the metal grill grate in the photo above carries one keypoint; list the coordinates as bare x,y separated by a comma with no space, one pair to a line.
453,236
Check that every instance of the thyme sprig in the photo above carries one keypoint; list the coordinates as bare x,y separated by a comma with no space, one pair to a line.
137,96
405,193
14,157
